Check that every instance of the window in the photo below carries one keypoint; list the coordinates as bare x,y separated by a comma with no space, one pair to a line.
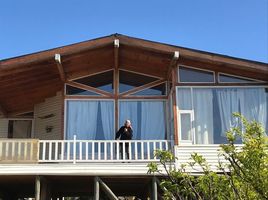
148,118
70,90
186,132
130,80
90,120
156,90
19,128
213,107
190,75
232,79
102,81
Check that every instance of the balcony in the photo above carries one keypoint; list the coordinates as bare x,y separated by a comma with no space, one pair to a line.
34,151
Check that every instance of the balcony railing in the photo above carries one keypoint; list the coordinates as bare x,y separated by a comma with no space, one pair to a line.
79,151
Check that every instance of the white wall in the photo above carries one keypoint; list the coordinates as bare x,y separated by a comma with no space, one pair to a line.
51,105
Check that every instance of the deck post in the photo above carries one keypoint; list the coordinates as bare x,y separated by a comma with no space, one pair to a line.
96,188
37,188
154,188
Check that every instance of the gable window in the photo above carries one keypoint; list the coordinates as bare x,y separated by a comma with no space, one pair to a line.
70,90
130,80
102,81
191,75
224,78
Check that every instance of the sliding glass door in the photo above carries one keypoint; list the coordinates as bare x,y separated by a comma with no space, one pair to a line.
148,118
90,119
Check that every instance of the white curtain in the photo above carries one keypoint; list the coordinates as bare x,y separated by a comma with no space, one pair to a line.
82,119
228,101
254,104
203,113
152,120
184,98
129,110
107,118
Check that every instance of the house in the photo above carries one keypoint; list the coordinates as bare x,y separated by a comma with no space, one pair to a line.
60,110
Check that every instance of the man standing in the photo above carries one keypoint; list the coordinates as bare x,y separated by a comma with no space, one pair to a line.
124,133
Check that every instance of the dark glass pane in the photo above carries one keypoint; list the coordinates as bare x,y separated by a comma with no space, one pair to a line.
130,80
102,81
77,91
194,75
29,114
232,79
156,90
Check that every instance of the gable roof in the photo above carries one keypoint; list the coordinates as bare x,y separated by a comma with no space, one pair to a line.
29,79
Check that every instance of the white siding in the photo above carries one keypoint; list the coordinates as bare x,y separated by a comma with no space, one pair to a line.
53,106
209,152
3,128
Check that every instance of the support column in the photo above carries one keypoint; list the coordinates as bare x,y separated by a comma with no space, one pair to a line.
154,188
96,188
37,188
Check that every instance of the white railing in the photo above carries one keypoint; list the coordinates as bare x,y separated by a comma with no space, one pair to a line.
53,151
18,150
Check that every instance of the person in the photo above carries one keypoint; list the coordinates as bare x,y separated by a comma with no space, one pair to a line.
124,133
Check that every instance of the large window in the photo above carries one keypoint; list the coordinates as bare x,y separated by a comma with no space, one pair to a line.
210,111
148,118
90,120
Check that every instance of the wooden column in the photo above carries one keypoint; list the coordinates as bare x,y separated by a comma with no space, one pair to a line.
116,80
96,188
37,188
154,188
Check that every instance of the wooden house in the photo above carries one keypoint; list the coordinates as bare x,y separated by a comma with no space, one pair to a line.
60,110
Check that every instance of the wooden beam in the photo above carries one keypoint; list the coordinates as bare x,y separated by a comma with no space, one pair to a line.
143,87
107,190
173,63
116,81
87,87
60,67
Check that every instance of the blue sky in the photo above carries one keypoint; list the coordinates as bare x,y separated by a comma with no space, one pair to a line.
237,28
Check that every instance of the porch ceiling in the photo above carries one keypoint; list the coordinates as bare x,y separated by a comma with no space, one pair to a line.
29,79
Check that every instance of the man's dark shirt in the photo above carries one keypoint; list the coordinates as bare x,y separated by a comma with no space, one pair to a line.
124,135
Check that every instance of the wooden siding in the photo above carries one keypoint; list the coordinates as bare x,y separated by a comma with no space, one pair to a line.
52,105
3,128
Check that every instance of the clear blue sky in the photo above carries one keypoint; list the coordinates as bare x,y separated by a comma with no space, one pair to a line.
236,28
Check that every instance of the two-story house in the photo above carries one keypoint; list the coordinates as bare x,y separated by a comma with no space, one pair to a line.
60,110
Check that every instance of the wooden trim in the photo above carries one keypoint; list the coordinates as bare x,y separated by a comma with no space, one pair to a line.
90,74
62,111
60,67
174,100
143,87
144,97
173,63
89,88
140,73
86,97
